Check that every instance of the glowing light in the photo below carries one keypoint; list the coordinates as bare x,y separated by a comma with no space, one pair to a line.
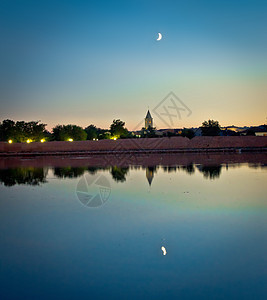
42,140
70,140
28,141
10,141
163,249
114,138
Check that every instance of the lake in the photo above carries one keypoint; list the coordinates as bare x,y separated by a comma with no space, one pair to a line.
136,231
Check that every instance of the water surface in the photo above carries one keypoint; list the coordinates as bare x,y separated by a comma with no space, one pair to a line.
97,232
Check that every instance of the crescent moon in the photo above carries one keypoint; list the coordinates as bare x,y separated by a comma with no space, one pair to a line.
163,249
159,37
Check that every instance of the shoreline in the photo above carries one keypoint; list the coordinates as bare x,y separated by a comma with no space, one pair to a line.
135,152
138,146
126,160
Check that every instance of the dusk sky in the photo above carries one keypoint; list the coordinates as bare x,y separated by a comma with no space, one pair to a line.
89,62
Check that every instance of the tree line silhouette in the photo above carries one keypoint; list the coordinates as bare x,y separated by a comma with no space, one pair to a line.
35,131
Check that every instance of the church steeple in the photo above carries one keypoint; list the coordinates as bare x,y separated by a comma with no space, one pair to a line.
148,120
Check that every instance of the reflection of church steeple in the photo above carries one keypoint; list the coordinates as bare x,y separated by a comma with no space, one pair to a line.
150,174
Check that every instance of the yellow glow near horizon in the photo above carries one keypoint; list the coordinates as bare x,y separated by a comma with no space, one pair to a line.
42,140
28,141
70,140
10,141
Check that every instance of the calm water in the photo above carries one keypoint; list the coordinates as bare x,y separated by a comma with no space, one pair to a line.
98,233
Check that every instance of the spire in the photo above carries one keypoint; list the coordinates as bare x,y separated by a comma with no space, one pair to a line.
148,115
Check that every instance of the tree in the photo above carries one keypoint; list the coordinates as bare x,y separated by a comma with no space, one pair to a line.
148,132
229,132
210,128
47,135
66,132
22,131
33,130
250,132
91,131
189,133
169,134
7,130
117,129
103,134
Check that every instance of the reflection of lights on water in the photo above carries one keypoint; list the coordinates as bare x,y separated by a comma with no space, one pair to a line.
163,249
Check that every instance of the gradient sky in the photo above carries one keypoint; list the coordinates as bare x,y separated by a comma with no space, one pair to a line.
85,62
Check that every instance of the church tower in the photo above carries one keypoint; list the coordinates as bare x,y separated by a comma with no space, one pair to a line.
148,120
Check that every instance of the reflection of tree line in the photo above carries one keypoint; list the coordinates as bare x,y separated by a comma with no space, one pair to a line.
36,176
118,174
209,172
69,172
30,176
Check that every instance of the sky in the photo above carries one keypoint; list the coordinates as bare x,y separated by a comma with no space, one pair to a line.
89,62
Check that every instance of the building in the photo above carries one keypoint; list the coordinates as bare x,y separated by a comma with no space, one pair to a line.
256,130
148,120
197,131
261,133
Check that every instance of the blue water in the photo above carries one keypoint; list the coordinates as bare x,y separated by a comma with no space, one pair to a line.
70,233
